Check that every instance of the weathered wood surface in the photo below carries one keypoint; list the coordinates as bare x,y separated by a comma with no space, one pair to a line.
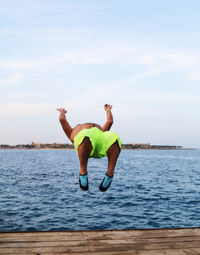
120,242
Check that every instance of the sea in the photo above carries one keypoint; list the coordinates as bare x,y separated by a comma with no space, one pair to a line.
151,189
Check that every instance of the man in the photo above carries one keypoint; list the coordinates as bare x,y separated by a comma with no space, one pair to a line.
93,141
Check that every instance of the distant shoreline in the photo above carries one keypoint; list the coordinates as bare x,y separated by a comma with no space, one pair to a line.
138,149
63,146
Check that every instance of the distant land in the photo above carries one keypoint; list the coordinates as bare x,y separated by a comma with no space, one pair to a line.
129,146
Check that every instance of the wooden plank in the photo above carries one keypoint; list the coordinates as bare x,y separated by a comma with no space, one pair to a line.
40,238
98,247
135,232
144,233
146,240
43,244
74,241
44,249
43,233
152,252
143,246
101,235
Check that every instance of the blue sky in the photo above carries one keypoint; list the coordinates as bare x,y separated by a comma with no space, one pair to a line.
143,57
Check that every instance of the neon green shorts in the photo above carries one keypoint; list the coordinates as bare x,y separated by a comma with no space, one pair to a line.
101,141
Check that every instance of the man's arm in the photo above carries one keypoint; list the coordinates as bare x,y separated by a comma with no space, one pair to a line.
109,121
65,124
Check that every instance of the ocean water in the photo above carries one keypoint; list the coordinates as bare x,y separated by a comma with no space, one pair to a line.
39,190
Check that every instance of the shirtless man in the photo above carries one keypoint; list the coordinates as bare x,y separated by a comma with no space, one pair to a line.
93,141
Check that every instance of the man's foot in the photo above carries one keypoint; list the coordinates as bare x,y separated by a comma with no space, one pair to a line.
83,182
105,184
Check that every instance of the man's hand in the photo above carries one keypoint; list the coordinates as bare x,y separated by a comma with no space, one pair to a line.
63,121
109,121
62,114
62,110
107,107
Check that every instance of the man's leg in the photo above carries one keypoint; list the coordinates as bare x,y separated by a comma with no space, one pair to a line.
84,150
113,154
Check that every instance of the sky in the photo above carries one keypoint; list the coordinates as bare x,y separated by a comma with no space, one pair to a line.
143,57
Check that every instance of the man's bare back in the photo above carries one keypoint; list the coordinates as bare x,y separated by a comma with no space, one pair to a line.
79,127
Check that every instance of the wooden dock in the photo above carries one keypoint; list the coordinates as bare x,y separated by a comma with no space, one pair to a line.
120,242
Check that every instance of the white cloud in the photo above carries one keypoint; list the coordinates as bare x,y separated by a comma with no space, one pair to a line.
194,76
26,109
173,62
149,73
182,60
12,80
18,95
